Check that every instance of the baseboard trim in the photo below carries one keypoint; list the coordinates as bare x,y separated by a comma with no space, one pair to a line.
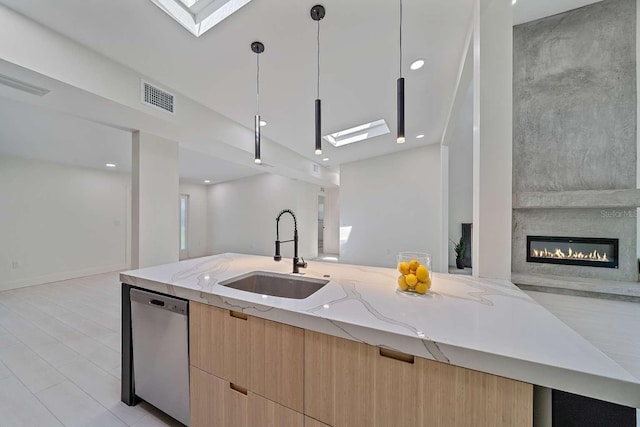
58,277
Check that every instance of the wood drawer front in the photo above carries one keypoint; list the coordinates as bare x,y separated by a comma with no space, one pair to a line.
265,413
310,422
350,384
455,396
214,403
339,381
398,396
277,362
219,343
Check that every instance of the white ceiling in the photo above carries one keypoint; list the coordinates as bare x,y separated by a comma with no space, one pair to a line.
195,167
530,10
359,66
359,61
38,133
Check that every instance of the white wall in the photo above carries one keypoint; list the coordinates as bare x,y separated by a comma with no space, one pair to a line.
332,221
197,219
60,222
242,215
154,189
461,174
391,204
492,139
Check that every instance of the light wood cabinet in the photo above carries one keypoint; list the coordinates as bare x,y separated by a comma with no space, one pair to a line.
456,396
277,362
216,402
265,413
349,384
251,371
310,422
219,342
338,381
397,393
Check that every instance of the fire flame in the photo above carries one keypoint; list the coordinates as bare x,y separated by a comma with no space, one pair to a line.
558,254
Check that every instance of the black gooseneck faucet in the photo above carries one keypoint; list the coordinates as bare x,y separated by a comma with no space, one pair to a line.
297,264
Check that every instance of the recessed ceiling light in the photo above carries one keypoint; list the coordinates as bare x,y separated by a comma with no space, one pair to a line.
416,65
358,133
206,181
110,165
420,136
263,123
326,159
513,1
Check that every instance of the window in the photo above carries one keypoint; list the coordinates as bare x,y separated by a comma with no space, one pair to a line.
199,16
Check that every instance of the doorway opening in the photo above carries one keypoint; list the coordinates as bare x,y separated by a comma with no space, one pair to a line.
184,226
320,224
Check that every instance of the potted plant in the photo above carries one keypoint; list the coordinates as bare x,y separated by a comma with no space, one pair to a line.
459,249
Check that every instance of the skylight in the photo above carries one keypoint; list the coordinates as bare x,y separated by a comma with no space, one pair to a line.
199,16
358,133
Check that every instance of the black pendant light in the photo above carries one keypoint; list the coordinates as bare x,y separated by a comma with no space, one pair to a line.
317,13
400,90
257,48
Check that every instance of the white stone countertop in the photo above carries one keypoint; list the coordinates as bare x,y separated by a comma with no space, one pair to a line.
485,325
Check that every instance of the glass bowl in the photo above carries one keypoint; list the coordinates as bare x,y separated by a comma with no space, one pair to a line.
414,270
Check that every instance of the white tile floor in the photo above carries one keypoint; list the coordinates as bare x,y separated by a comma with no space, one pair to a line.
60,357
60,351
611,326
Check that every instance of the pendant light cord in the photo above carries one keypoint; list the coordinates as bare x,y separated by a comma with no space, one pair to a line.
400,38
258,84
318,97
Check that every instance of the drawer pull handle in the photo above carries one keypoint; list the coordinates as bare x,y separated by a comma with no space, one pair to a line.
238,315
237,388
396,355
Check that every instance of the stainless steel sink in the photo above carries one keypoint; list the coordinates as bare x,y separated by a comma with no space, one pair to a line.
277,285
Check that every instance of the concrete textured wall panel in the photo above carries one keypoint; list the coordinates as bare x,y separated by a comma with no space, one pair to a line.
575,100
575,128
612,223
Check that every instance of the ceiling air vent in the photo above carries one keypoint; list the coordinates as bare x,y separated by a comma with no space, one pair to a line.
156,97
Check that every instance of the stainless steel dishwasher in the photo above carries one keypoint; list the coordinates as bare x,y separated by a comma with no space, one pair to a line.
160,337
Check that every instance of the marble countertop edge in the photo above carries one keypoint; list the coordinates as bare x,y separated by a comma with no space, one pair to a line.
367,324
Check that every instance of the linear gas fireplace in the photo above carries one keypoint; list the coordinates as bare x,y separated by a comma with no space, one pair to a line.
584,251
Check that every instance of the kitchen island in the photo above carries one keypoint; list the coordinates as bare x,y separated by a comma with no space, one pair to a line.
477,325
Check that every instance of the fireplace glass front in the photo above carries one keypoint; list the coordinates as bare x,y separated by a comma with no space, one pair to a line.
583,251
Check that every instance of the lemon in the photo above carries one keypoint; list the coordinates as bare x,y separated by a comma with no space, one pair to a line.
413,265
403,267
422,273
411,280
422,288
402,283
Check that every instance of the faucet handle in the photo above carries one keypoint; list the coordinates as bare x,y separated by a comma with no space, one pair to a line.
277,256
302,264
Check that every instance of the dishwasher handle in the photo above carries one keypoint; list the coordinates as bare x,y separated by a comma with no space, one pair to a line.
160,302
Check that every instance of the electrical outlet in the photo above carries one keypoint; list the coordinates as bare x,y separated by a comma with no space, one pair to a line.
15,265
